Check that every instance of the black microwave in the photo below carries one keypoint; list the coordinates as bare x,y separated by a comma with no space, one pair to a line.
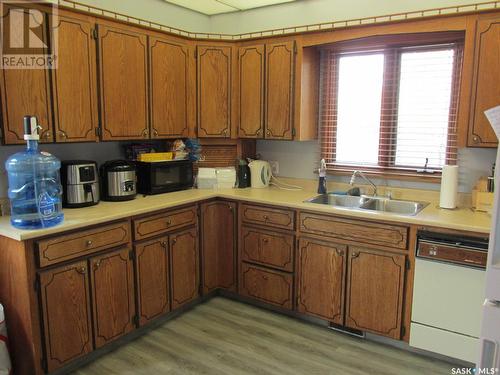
164,176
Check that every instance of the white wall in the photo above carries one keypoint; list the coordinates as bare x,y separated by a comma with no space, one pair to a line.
304,12
156,11
300,159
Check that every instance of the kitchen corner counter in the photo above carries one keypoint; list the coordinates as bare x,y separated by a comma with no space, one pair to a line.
459,219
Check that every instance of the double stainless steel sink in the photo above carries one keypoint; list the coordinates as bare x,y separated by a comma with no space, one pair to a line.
364,202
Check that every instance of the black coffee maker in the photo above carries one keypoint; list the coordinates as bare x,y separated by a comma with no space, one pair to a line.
243,174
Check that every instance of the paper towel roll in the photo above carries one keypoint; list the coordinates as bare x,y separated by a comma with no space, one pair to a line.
449,187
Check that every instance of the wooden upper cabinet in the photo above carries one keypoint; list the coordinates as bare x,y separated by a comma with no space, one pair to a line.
279,90
321,279
151,270
112,281
375,282
218,231
123,83
251,91
24,91
214,91
171,87
65,302
184,267
485,88
74,81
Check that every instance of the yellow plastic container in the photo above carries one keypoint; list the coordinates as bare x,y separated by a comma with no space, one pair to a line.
156,156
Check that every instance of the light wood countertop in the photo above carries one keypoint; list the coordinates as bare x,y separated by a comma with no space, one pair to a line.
460,219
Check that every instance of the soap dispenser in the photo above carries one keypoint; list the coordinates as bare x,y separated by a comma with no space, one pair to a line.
322,177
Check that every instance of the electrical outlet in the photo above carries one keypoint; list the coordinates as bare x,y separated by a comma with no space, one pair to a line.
275,167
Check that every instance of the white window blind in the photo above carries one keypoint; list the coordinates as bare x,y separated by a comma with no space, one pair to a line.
390,108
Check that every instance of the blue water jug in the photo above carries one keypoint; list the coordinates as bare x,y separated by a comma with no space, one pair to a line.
34,183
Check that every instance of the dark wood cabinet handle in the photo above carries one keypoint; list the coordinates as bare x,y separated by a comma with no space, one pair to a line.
145,133
340,252
268,133
230,207
168,222
264,277
88,243
63,134
174,241
155,132
266,217
97,264
265,240
164,244
81,270
475,139
224,132
354,254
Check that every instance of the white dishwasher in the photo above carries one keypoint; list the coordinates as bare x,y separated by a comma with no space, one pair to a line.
448,294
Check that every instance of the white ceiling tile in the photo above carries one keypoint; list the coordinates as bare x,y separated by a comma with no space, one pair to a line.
250,4
208,7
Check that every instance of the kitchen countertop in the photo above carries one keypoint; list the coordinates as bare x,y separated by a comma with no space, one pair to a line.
460,219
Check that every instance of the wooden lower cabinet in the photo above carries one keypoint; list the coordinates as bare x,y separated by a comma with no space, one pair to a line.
112,286
272,249
375,282
267,285
152,275
65,302
321,269
218,244
184,267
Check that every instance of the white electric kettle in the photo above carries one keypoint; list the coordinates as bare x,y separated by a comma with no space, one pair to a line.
260,173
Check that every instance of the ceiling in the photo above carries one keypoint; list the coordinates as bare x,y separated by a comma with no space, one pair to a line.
211,7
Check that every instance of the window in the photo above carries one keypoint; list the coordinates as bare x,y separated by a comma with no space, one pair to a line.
390,109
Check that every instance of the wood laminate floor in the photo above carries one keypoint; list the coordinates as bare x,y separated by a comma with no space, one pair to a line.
227,337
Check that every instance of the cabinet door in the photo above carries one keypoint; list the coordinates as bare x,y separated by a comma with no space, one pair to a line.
218,223
24,91
321,279
112,281
74,81
267,285
151,270
271,249
66,313
251,95
375,291
485,89
279,90
214,91
184,265
170,88
123,83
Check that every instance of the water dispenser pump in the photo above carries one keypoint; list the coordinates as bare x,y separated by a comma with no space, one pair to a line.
34,183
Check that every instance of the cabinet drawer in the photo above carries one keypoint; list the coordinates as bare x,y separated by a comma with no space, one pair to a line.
267,248
69,246
353,230
158,224
266,285
268,216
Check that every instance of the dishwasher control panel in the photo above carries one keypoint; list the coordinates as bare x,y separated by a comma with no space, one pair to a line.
467,251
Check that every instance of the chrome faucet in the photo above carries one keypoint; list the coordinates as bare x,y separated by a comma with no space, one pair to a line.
362,175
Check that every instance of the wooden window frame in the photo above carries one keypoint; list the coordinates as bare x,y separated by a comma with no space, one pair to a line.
392,46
